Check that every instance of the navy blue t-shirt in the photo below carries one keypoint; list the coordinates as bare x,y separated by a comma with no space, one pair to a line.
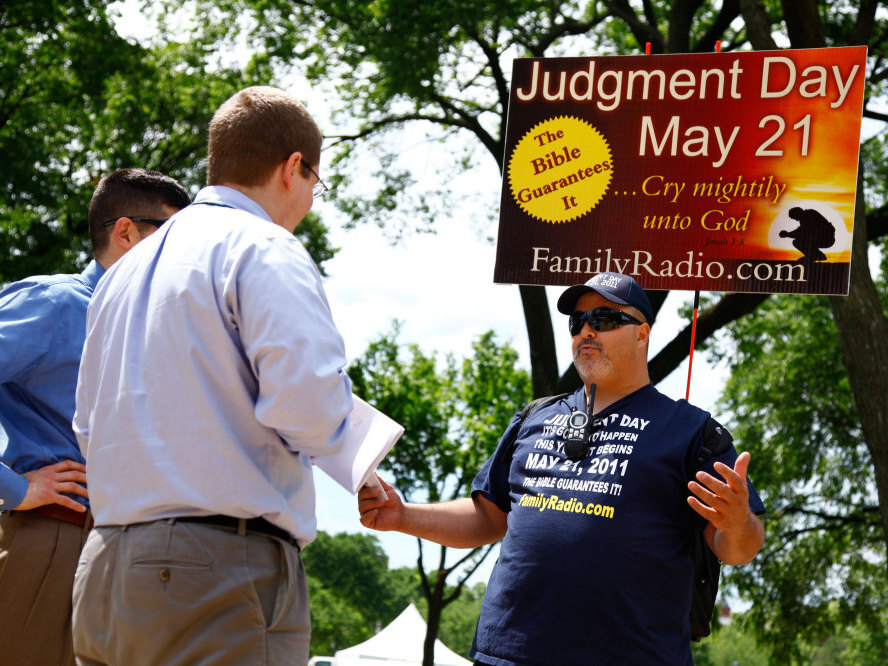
595,567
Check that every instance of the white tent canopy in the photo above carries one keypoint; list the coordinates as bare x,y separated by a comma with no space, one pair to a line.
399,644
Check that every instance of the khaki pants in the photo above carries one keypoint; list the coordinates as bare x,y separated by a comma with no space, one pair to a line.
38,557
167,592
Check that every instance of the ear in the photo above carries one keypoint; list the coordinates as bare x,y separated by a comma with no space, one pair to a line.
125,234
289,168
643,334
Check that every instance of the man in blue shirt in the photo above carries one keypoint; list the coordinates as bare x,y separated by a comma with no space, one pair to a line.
45,515
596,496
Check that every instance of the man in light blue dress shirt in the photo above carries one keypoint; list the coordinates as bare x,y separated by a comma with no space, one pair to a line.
212,375
45,506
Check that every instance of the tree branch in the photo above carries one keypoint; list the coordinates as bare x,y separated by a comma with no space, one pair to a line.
758,25
862,515
865,22
460,586
803,24
642,32
423,579
390,121
502,88
570,26
729,11
875,115
730,308
681,16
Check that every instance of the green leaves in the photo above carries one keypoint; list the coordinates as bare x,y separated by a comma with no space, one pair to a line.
353,592
407,385
823,563
78,101
453,413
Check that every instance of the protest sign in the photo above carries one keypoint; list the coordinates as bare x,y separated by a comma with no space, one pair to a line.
716,172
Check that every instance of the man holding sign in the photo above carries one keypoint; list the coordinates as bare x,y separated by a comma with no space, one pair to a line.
591,495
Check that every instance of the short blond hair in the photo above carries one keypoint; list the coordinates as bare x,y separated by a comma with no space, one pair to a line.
254,131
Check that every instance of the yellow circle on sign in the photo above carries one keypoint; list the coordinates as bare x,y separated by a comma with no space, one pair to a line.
560,169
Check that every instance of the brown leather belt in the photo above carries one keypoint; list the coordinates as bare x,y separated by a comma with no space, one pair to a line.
60,512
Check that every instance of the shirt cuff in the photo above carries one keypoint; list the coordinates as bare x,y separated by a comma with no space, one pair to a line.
13,488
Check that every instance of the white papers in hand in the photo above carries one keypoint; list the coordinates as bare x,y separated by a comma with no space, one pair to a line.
371,435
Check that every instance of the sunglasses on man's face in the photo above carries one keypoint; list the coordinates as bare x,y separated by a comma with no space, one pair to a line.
600,319
153,221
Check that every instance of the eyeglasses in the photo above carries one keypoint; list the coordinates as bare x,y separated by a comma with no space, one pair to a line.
319,187
153,221
600,319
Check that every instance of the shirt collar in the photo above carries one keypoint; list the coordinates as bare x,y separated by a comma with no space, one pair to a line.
92,273
219,195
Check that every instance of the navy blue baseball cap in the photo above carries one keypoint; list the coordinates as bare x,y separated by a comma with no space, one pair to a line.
615,287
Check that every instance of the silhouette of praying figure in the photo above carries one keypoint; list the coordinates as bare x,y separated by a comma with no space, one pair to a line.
813,234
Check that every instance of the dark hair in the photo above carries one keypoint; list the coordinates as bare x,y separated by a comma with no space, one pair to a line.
131,192
254,131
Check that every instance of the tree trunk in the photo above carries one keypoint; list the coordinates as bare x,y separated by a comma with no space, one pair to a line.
863,335
433,622
758,25
861,324
543,360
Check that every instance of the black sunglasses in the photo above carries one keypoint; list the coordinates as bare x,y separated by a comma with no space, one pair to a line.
153,221
600,319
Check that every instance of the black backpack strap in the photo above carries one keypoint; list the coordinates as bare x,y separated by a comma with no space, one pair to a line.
529,409
716,440
704,589
707,568
545,401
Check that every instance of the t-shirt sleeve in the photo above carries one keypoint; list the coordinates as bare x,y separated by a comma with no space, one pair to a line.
492,481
